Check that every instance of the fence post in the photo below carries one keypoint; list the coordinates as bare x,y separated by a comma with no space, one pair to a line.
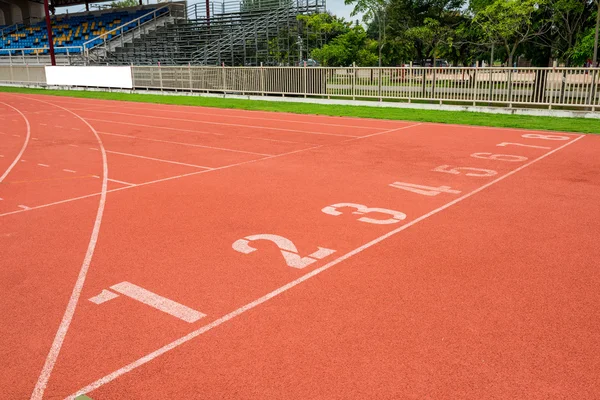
474,86
28,75
262,80
379,76
410,81
305,80
23,55
491,94
354,81
160,77
592,97
223,76
190,77
510,87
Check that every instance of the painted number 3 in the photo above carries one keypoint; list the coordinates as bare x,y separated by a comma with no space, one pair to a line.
396,216
287,248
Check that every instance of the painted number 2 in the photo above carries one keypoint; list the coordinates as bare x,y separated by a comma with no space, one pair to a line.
396,216
287,248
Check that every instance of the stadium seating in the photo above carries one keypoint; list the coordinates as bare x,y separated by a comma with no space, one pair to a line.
70,32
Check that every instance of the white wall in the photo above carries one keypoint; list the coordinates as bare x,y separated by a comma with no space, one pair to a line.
108,77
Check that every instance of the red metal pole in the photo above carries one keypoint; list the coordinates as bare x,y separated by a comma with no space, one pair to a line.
208,13
49,28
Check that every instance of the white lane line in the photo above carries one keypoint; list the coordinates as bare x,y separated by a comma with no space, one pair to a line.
223,124
34,138
164,179
157,159
185,144
43,124
214,114
95,176
94,148
1,199
43,165
194,145
388,131
23,207
42,382
103,297
69,170
23,160
73,145
159,302
121,182
16,135
151,356
25,143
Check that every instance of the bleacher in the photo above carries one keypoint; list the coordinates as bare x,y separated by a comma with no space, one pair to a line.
70,32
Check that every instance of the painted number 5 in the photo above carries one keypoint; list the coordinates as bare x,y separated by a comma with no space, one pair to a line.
396,216
287,248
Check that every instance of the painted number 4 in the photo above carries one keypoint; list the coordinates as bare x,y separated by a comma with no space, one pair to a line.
286,247
422,189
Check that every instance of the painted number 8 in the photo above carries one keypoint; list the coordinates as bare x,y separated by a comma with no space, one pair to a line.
546,137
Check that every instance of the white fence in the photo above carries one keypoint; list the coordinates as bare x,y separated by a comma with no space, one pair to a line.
546,88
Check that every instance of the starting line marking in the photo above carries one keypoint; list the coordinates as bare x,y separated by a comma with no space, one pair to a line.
201,330
147,297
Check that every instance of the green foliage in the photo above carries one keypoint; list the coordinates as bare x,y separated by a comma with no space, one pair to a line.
124,3
512,22
352,46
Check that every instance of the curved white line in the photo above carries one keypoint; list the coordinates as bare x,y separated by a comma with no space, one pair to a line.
18,157
42,382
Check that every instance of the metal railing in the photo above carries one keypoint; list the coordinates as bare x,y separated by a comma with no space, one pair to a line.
549,88
10,29
135,28
66,55
569,88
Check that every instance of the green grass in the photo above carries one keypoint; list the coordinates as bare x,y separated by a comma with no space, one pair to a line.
450,117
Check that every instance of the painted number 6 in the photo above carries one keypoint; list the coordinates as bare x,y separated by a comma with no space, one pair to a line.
397,216
287,248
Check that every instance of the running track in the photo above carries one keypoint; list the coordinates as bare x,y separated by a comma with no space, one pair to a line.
154,251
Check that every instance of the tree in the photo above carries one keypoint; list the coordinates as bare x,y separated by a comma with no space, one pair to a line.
124,3
346,49
373,10
512,23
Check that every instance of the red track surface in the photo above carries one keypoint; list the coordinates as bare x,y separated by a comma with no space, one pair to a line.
489,292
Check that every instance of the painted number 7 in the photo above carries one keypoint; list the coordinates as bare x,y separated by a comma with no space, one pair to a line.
287,248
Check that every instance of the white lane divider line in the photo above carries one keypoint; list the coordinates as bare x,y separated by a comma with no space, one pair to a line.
23,207
23,161
121,182
73,145
151,299
95,176
103,297
43,124
25,143
63,328
186,144
44,165
158,159
34,138
16,136
184,339
69,170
